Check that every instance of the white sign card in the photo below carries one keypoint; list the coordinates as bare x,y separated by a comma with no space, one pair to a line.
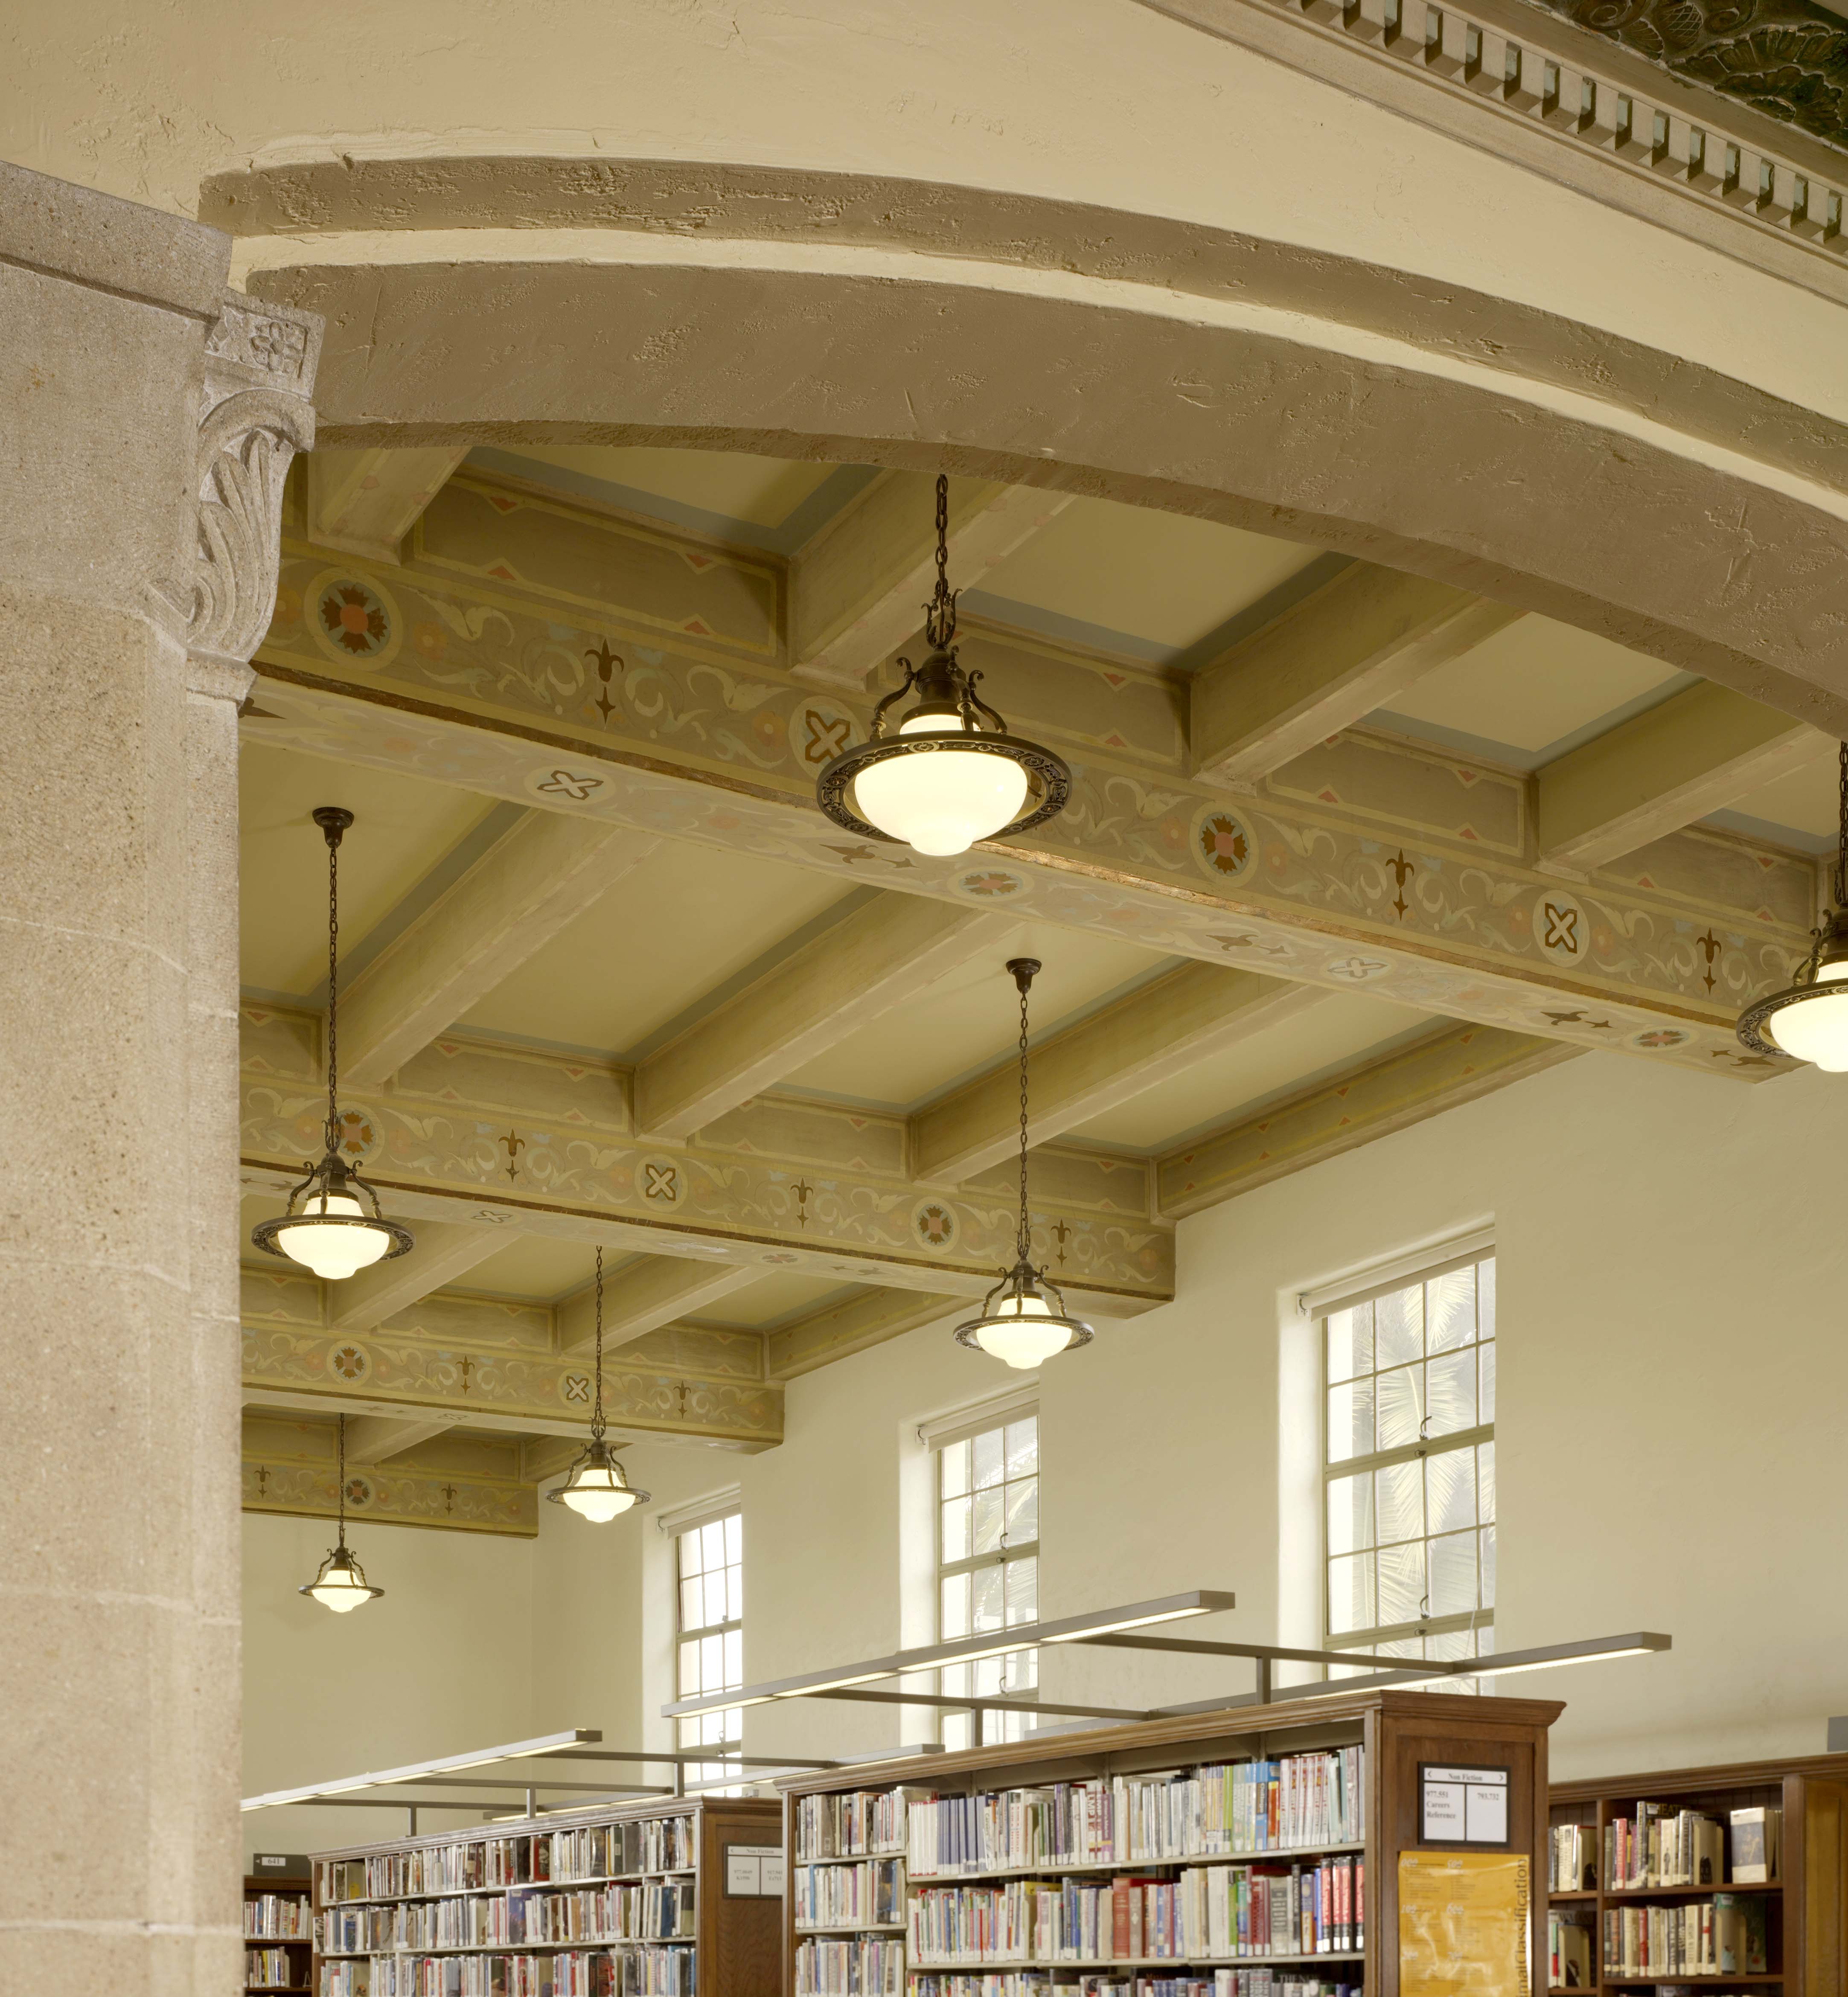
1462,1806
754,1871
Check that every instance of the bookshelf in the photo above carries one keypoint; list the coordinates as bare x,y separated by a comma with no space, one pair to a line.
657,1898
1803,1910
1130,1859
279,1934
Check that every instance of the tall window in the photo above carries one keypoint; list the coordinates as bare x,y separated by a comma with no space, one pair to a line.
709,1557
1410,1465
988,1566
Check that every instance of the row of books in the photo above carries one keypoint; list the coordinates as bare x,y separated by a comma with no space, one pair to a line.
1037,1983
267,1969
1568,1954
867,1966
649,1844
1657,1848
1724,1936
858,1823
868,1893
278,1917
1572,1858
1217,1810
663,1912
1211,1913
667,1972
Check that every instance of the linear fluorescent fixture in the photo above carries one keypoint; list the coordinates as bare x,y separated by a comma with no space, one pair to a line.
1548,1657
547,1744
966,1650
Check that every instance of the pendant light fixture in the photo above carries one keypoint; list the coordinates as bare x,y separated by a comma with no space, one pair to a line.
951,773
1808,1020
1024,1318
341,1583
333,1225
596,1489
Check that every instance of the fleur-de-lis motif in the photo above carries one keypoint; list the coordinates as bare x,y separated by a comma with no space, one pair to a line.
516,1144
606,663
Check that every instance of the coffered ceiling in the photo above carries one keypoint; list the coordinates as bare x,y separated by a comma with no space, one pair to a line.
766,1066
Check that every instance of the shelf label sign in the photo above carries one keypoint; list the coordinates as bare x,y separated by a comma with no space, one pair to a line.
753,1871
1463,1806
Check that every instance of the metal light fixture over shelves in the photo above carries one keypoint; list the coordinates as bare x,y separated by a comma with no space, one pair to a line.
341,1583
1808,1020
333,1224
951,773
596,1489
1024,1318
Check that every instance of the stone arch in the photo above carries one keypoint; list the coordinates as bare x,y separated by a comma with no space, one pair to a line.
1479,441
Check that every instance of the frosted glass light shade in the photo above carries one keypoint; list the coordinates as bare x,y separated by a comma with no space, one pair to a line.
598,1494
942,803
332,1253
1011,1334
340,1585
1816,1028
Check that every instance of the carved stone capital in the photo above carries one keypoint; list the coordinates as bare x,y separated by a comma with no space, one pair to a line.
255,413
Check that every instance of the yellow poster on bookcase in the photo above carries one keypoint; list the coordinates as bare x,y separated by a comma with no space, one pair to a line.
1464,1930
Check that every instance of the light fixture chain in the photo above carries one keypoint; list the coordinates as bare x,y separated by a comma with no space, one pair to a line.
596,1413
333,1043
940,612
1841,851
340,1492
1025,1242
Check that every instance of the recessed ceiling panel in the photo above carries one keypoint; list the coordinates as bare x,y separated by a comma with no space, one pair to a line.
1533,691
758,492
403,826
970,1018
537,1268
688,919
772,1301
1163,578
1804,804
1341,1028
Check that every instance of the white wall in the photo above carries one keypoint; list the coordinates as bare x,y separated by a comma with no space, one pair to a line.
1673,1373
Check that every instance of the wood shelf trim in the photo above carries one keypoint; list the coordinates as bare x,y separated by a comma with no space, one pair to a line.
1193,1861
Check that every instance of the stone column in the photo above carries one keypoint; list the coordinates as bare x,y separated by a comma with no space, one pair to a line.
146,422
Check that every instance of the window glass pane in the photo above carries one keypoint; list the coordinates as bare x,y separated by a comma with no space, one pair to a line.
689,1671
1486,1390
956,1678
1453,1575
958,1730
985,1601
1450,1311
953,1615
711,1663
737,1592
714,1584
711,1544
956,1530
1399,1501
734,1659
1022,1588
1450,1385
1350,1514
1488,1566
954,1462
1350,1343
1451,1644
1023,1513
1350,1593
987,1455
1402,1407
734,1539
1350,1420
1485,1482
1022,1446
1485,1640
1450,1492
689,1605
985,1677
689,1553
1020,1672
1485,1298
1399,1327
989,1515
1402,1583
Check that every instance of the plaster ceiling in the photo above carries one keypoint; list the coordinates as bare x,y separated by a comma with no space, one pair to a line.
536,1269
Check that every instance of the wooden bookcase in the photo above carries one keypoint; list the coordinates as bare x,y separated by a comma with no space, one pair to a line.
1806,1907
296,1951
401,1894
1395,1731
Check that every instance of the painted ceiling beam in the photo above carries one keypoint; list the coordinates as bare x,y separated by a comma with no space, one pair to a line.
444,1251
290,1468
364,502
1372,1099
1697,752
541,875
378,1438
857,1324
1161,1029
1325,664
858,591
644,1296
879,955
473,1131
